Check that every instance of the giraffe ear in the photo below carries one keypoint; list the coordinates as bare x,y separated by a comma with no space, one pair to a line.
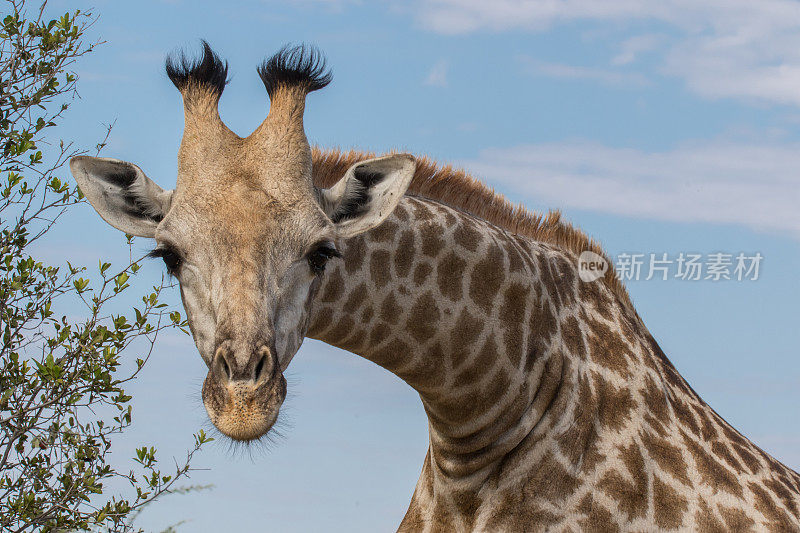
368,193
121,194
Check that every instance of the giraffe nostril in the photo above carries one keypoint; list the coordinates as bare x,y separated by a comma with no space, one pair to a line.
260,367
225,368
221,367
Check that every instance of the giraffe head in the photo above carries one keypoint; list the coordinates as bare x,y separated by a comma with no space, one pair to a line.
245,232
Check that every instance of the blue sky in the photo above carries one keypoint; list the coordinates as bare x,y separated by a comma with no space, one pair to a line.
658,127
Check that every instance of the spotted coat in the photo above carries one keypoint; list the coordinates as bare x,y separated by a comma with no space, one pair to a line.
550,405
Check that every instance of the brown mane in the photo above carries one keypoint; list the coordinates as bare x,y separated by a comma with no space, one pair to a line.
457,189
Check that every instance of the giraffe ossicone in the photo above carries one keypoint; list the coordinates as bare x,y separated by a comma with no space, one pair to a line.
550,405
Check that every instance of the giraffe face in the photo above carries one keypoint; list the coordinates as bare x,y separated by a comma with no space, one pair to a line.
247,264
248,247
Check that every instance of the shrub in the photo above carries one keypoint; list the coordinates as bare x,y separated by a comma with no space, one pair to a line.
62,381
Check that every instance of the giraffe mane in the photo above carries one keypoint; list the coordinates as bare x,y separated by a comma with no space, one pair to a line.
457,189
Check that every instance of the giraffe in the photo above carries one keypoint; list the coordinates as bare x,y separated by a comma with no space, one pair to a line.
550,406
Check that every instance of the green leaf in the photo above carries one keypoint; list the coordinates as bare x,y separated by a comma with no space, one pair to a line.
80,284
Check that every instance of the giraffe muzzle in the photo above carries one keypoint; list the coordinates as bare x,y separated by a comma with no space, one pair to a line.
243,400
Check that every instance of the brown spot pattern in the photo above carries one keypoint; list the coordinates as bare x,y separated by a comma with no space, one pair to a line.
614,405
367,314
355,299
713,473
736,519
463,336
423,316
467,236
779,520
334,287
354,255
551,481
421,273
668,506
404,255
390,311
598,518
706,521
385,232
667,456
631,497
341,330
379,268
486,278
473,373
450,276
379,333
608,349
573,337
431,237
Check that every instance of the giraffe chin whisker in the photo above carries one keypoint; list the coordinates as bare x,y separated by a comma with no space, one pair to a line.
244,411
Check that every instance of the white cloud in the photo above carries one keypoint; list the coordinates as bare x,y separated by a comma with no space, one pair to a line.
726,48
719,182
463,16
604,76
437,75
632,48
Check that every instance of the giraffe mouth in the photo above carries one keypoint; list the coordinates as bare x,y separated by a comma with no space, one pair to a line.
243,411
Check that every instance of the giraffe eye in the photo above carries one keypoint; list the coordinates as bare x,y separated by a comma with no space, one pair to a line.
319,257
171,258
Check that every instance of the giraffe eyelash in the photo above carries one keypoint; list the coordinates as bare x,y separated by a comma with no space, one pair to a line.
172,259
319,256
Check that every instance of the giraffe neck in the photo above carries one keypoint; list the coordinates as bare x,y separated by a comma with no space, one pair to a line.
548,401
459,310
